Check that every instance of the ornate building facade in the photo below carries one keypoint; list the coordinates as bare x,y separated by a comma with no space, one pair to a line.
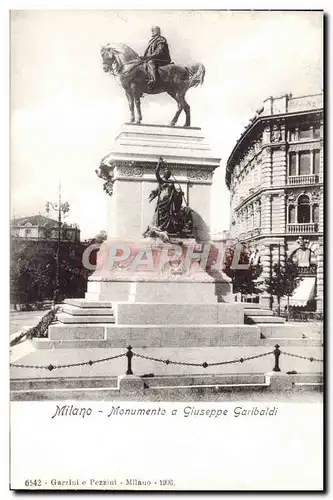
275,176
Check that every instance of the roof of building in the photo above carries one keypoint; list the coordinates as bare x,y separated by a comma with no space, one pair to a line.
39,220
274,107
34,220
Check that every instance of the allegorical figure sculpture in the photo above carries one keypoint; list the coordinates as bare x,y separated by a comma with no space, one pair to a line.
151,74
171,217
156,55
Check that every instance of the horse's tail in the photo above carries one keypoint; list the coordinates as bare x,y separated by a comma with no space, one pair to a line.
196,74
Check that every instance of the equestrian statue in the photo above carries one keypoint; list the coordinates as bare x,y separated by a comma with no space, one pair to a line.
153,73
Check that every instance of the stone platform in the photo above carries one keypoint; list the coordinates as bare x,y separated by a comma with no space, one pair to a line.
119,324
163,291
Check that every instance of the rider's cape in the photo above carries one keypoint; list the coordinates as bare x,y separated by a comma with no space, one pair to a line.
158,50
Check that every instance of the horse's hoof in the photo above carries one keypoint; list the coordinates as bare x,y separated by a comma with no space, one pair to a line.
172,124
138,122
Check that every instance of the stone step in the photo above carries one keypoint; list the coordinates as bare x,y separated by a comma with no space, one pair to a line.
291,341
264,319
88,303
258,312
152,335
87,311
202,380
292,330
250,305
66,383
68,318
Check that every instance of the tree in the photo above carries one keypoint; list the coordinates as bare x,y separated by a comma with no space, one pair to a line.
245,281
101,236
33,270
284,280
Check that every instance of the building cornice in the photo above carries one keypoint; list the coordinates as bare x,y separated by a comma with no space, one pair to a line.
265,236
272,190
258,123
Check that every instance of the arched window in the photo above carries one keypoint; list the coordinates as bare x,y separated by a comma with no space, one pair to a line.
303,212
246,220
292,214
258,214
315,213
251,217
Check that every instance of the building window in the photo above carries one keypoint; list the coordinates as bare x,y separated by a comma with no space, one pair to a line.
303,212
316,131
292,214
305,163
305,132
292,164
315,213
27,232
258,214
292,134
316,161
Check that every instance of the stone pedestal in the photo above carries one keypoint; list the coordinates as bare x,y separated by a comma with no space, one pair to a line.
147,290
132,162
131,165
150,270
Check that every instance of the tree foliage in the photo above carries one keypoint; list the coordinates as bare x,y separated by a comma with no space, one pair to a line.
245,281
100,237
33,270
284,280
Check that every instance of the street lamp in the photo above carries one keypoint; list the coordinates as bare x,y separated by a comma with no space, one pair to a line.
62,209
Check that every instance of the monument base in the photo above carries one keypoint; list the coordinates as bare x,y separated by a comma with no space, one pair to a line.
181,292
150,270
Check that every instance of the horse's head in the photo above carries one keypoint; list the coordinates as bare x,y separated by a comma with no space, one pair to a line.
117,56
108,58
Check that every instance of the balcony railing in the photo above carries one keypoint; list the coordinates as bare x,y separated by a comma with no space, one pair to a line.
296,180
304,103
311,227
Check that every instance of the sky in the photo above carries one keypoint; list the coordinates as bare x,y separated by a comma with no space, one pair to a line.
65,110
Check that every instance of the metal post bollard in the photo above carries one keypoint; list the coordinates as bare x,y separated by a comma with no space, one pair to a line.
277,354
129,355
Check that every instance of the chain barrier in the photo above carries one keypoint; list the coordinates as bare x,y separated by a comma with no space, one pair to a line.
204,364
70,365
311,358
130,354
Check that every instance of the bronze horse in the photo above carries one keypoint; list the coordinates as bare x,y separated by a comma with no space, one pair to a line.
125,64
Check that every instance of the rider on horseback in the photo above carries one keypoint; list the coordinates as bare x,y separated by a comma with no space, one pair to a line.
156,54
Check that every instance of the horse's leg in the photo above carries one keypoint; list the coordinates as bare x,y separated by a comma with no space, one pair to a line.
138,109
179,110
187,110
130,99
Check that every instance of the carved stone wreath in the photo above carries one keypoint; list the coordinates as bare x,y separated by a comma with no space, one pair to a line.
108,187
105,172
130,171
199,175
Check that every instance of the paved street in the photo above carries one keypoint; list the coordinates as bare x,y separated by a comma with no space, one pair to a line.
18,319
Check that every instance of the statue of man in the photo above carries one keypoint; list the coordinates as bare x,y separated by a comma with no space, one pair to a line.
156,54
